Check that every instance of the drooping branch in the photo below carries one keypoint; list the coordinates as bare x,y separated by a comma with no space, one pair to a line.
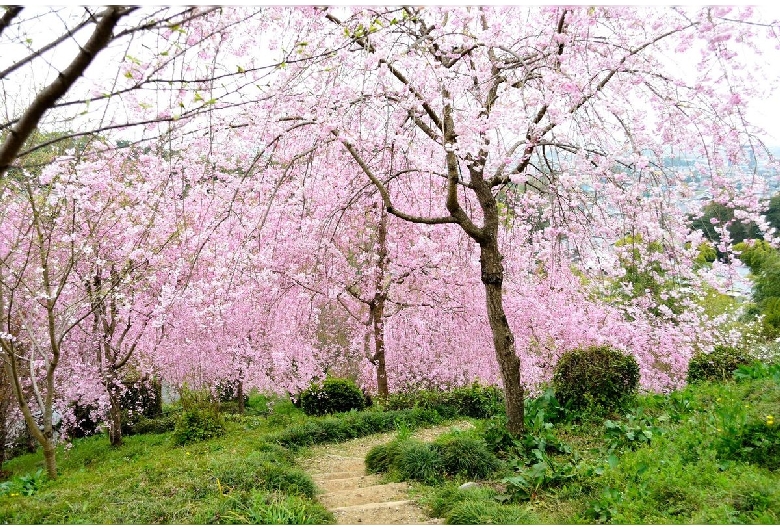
385,194
46,98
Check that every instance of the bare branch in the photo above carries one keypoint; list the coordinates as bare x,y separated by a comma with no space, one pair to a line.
10,13
43,101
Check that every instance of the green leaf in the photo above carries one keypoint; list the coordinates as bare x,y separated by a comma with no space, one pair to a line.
240,69
613,461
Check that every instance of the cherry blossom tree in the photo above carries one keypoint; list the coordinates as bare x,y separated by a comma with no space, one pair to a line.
575,107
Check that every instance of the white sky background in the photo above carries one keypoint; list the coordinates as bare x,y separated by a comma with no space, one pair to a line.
764,113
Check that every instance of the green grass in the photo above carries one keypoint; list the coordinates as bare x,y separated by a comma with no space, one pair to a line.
247,475
707,454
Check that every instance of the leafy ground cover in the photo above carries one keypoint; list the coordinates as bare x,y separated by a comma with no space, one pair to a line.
707,454
704,454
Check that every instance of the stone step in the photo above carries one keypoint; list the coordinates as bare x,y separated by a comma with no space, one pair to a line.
335,475
347,483
371,506
355,465
370,494
390,512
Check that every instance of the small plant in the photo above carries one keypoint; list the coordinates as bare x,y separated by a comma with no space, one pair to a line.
497,437
544,408
604,509
758,370
599,377
758,442
332,395
463,454
718,365
632,433
30,484
530,481
196,425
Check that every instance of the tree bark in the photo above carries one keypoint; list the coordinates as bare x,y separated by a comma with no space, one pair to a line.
115,419
378,306
378,310
503,338
240,393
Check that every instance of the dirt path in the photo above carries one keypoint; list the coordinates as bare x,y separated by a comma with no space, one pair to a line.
357,498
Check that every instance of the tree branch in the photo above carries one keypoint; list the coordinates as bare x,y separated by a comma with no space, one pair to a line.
44,100
11,13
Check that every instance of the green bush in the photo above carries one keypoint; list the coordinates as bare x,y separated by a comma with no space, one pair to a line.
332,395
419,461
196,425
463,454
158,425
381,457
450,495
475,401
718,365
598,377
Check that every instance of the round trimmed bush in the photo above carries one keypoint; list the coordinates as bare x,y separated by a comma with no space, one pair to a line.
718,365
332,395
595,377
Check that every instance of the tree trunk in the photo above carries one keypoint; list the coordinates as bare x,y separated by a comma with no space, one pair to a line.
240,392
378,310
503,339
49,455
115,420
378,306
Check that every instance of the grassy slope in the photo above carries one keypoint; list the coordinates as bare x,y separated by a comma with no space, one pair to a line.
684,475
678,478
233,478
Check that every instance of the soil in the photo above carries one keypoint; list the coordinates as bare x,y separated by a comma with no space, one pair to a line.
357,498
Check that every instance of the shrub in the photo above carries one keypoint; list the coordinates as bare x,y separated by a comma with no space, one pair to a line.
332,395
159,425
85,423
718,365
462,454
450,495
475,401
381,457
597,377
418,461
141,397
352,425
196,425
